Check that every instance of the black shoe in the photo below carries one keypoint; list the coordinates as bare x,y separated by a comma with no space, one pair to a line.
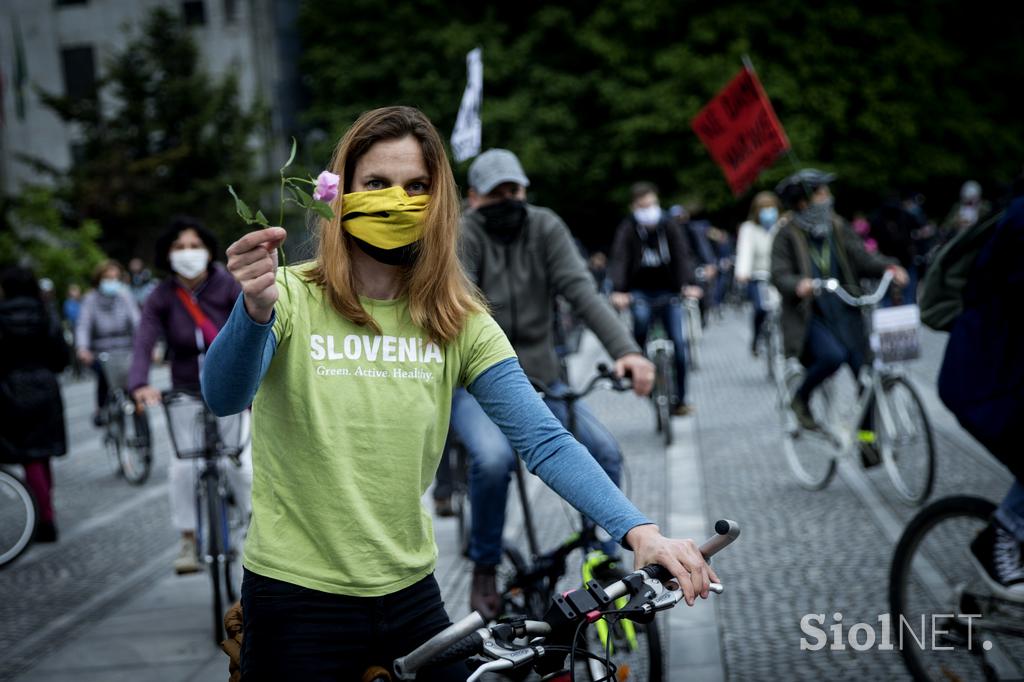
45,532
443,507
802,412
996,553
99,419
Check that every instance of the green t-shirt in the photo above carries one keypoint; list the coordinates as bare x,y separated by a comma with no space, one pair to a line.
348,429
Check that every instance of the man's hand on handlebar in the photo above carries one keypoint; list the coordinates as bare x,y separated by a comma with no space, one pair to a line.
899,275
805,288
691,291
621,300
639,369
681,557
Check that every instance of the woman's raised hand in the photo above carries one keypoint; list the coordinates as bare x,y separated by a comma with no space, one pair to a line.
253,262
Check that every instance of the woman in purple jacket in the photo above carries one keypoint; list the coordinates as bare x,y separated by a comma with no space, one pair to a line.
188,251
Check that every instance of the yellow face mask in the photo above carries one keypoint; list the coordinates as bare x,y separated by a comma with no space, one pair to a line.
385,218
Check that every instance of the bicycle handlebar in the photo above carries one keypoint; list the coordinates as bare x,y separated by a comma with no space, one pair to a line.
832,285
469,635
603,373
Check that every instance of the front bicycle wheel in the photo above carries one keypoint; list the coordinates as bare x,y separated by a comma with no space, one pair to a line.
905,439
17,517
934,581
136,456
694,331
809,452
635,650
214,549
113,438
663,378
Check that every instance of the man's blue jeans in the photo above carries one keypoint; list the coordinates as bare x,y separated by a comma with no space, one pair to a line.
826,354
492,461
671,318
1011,512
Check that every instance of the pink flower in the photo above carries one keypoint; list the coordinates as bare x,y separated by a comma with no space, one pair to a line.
326,186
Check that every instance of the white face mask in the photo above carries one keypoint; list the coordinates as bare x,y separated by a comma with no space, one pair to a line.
189,263
648,216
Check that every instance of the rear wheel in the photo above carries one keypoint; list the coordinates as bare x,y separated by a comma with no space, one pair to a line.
213,550
113,439
17,517
810,453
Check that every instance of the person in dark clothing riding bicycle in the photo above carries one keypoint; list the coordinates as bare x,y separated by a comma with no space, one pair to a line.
813,242
651,261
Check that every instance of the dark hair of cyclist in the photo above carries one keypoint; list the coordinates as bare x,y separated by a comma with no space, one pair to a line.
642,189
17,282
180,223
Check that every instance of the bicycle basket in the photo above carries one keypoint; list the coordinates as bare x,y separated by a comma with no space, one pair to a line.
197,432
115,365
895,337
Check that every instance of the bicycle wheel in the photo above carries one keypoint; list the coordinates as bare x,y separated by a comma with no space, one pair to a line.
663,378
693,333
136,456
635,651
905,440
518,597
214,548
17,517
810,453
932,576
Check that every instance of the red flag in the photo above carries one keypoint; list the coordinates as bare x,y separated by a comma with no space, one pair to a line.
741,131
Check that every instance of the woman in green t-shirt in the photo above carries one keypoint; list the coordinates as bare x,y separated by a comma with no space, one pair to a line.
350,361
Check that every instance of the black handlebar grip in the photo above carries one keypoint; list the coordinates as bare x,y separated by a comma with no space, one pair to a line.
658,572
460,651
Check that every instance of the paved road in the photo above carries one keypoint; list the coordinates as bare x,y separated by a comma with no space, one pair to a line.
102,604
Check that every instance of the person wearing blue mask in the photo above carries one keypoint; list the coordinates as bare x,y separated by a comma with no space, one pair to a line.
106,322
754,254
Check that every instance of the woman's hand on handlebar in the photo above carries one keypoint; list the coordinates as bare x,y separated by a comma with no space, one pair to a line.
681,557
253,262
639,369
805,288
146,396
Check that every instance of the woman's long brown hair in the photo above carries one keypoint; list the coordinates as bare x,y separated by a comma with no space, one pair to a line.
440,295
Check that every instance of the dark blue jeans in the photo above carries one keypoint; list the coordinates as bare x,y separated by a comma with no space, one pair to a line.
671,315
295,633
492,461
824,354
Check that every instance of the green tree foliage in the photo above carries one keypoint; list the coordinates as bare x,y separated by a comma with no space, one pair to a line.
595,95
35,233
159,138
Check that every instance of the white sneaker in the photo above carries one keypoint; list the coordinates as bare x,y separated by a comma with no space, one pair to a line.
186,561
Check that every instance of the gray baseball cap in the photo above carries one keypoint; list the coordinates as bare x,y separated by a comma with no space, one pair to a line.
494,167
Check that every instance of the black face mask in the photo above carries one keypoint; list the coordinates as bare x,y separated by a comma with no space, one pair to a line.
504,220
403,255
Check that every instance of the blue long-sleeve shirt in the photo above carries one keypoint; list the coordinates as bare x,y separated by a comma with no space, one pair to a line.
244,349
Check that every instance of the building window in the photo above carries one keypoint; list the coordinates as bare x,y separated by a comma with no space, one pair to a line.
79,71
65,3
194,12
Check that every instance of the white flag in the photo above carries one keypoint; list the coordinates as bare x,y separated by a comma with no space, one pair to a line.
466,136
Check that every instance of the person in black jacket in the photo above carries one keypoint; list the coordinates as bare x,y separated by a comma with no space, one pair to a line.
650,264
32,352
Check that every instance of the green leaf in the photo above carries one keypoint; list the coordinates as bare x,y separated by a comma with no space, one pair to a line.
291,157
302,198
261,219
325,211
243,209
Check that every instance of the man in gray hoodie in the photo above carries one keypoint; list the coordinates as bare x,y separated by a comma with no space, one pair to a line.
521,256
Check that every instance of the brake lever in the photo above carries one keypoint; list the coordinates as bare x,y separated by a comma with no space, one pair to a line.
493,666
